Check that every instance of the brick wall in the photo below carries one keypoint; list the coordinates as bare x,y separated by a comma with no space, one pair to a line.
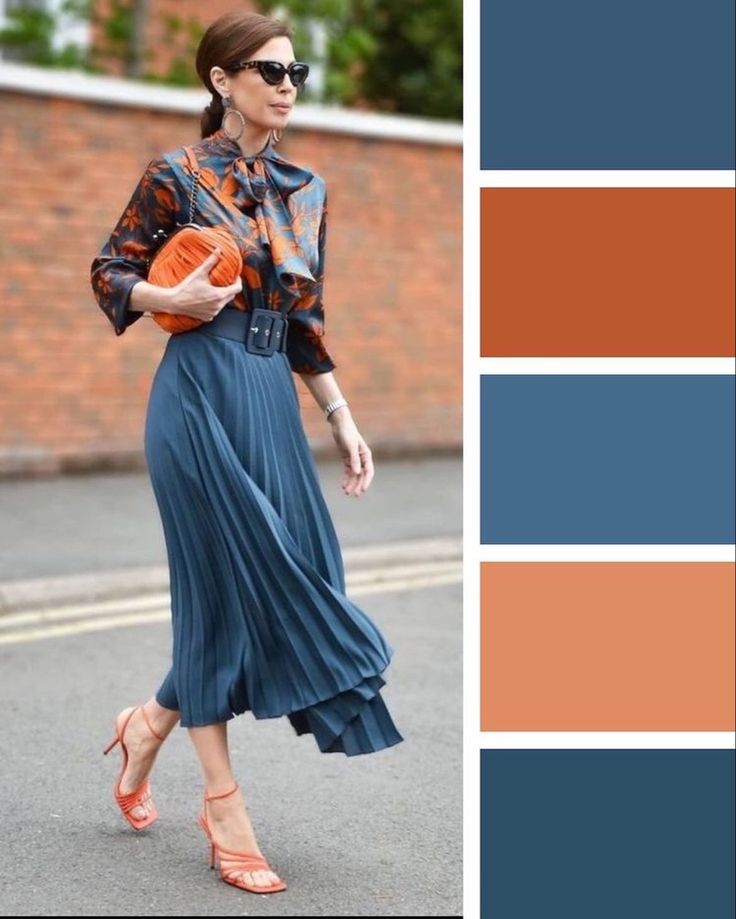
73,395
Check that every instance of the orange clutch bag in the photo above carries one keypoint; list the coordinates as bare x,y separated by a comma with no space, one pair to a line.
184,251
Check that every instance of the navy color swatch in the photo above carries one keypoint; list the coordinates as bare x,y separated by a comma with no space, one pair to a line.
578,458
631,84
607,834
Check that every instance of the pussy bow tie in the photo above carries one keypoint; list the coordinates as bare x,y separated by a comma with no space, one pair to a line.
288,207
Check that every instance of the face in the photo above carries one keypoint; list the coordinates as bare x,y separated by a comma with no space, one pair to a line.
250,93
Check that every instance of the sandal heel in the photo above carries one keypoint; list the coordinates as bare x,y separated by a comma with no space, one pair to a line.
110,746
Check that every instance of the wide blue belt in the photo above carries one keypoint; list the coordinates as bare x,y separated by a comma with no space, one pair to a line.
262,331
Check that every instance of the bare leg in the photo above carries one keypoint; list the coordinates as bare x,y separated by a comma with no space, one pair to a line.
142,746
228,819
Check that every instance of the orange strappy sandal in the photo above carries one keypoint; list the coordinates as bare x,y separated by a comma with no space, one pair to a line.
141,795
238,861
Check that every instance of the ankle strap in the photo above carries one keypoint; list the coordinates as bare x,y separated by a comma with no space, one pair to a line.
143,712
224,795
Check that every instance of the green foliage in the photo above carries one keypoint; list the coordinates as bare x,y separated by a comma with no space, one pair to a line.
29,36
185,35
117,31
30,32
417,64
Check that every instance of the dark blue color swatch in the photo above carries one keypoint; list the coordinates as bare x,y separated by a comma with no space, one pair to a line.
583,458
635,84
607,834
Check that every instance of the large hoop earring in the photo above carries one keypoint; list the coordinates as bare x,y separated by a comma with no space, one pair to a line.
276,135
226,100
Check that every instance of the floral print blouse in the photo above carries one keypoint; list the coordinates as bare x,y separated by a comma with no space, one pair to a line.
276,212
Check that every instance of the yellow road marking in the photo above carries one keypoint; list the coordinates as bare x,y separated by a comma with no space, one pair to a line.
53,622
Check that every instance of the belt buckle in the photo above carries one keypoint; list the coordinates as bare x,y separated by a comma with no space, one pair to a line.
266,332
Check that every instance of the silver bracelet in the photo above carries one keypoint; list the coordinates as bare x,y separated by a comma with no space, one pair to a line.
331,406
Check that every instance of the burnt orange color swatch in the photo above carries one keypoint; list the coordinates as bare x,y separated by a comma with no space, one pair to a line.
641,272
607,646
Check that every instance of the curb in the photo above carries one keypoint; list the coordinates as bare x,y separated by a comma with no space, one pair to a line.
20,595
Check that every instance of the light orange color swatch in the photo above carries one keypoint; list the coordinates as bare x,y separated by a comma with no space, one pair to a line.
607,272
590,646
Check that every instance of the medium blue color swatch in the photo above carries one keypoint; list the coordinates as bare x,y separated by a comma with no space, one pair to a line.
577,458
635,84
607,834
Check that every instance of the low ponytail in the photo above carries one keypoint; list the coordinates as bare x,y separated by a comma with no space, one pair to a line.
212,115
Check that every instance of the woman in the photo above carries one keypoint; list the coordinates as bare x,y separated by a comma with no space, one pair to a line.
260,618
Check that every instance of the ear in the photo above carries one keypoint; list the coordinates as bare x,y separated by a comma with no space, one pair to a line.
220,80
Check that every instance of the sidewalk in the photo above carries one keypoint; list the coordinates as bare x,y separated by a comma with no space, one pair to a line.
74,538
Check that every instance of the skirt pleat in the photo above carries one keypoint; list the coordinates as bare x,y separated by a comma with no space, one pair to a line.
260,618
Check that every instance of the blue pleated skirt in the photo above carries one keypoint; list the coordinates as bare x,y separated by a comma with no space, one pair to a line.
260,618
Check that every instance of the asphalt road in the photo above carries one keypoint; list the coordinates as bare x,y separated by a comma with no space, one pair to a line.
376,835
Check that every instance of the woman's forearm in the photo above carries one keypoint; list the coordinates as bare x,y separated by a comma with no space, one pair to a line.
149,297
324,389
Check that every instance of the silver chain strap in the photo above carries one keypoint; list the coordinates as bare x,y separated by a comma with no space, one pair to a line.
160,235
193,194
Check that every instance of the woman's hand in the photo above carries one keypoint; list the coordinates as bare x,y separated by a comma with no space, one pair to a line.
355,452
196,296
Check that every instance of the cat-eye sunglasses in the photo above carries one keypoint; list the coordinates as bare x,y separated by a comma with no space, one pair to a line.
273,72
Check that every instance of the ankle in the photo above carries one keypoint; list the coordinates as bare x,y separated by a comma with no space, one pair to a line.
161,719
224,791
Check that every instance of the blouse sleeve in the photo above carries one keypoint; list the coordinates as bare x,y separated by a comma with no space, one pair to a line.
305,347
124,259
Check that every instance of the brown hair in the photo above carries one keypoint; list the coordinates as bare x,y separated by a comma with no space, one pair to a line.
228,40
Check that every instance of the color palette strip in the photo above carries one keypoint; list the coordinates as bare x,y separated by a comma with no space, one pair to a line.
642,272
641,459
574,458
608,646
626,85
607,834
